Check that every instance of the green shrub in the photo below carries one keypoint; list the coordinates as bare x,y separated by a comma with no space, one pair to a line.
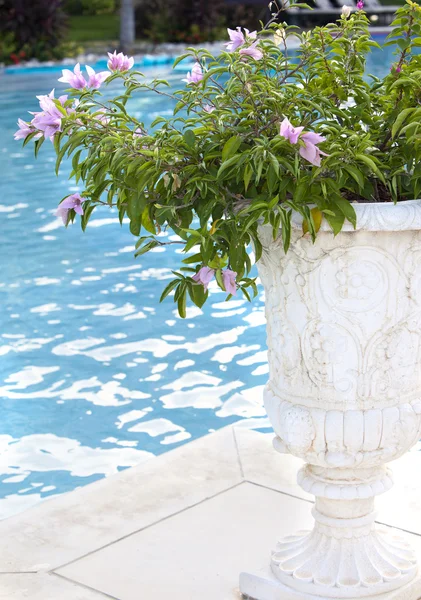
73,7
190,22
242,146
98,7
35,27
90,7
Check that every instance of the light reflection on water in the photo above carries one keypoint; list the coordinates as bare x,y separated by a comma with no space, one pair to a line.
95,375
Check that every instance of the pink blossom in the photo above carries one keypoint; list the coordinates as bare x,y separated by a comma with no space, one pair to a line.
360,4
208,108
204,276
238,38
24,130
71,202
48,121
252,51
75,79
96,79
195,75
228,278
289,132
102,117
309,151
119,62
46,101
138,132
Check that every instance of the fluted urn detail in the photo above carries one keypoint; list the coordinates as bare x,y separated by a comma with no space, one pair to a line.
344,394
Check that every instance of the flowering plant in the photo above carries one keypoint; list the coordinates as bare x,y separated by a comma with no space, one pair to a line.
257,133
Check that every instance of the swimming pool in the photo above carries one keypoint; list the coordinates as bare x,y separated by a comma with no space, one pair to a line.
95,375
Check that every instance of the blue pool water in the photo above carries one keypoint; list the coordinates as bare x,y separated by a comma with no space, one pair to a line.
95,375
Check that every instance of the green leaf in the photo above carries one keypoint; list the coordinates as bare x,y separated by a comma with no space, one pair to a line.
346,209
231,161
230,147
317,218
198,294
87,211
182,301
146,248
248,171
180,58
38,145
219,280
29,138
355,174
336,222
189,137
147,222
120,106
402,116
194,258
371,164
286,228
170,287
134,227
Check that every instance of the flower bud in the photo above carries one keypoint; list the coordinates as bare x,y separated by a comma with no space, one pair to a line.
346,11
279,36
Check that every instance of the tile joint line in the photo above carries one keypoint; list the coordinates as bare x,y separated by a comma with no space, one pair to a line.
83,585
240,464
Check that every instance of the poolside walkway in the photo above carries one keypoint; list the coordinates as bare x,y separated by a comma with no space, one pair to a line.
180,526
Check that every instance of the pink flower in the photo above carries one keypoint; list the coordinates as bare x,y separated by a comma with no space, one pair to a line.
195,75
309,151
238,39
138,132
24,130
228,278
71,202
119,62
96,79
75,79
360,4
289,132
208,108
204,276
252,51
48,121
102,117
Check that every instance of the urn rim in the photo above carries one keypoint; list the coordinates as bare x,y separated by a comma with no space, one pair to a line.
377,216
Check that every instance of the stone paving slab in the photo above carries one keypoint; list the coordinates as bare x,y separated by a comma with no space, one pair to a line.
183,525
44,586
197,553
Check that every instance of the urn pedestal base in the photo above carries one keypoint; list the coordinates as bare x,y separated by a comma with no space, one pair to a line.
346,556
263,585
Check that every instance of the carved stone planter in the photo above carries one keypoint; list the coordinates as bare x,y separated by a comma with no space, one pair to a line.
343,325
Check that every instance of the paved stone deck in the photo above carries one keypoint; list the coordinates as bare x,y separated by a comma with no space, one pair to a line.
180,526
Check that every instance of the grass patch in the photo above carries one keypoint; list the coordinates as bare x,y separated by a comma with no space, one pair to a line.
87,28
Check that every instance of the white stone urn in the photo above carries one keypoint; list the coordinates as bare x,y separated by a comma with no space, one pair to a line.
344,394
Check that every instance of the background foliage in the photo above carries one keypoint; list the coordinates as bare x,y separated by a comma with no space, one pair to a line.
32,29
193,21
